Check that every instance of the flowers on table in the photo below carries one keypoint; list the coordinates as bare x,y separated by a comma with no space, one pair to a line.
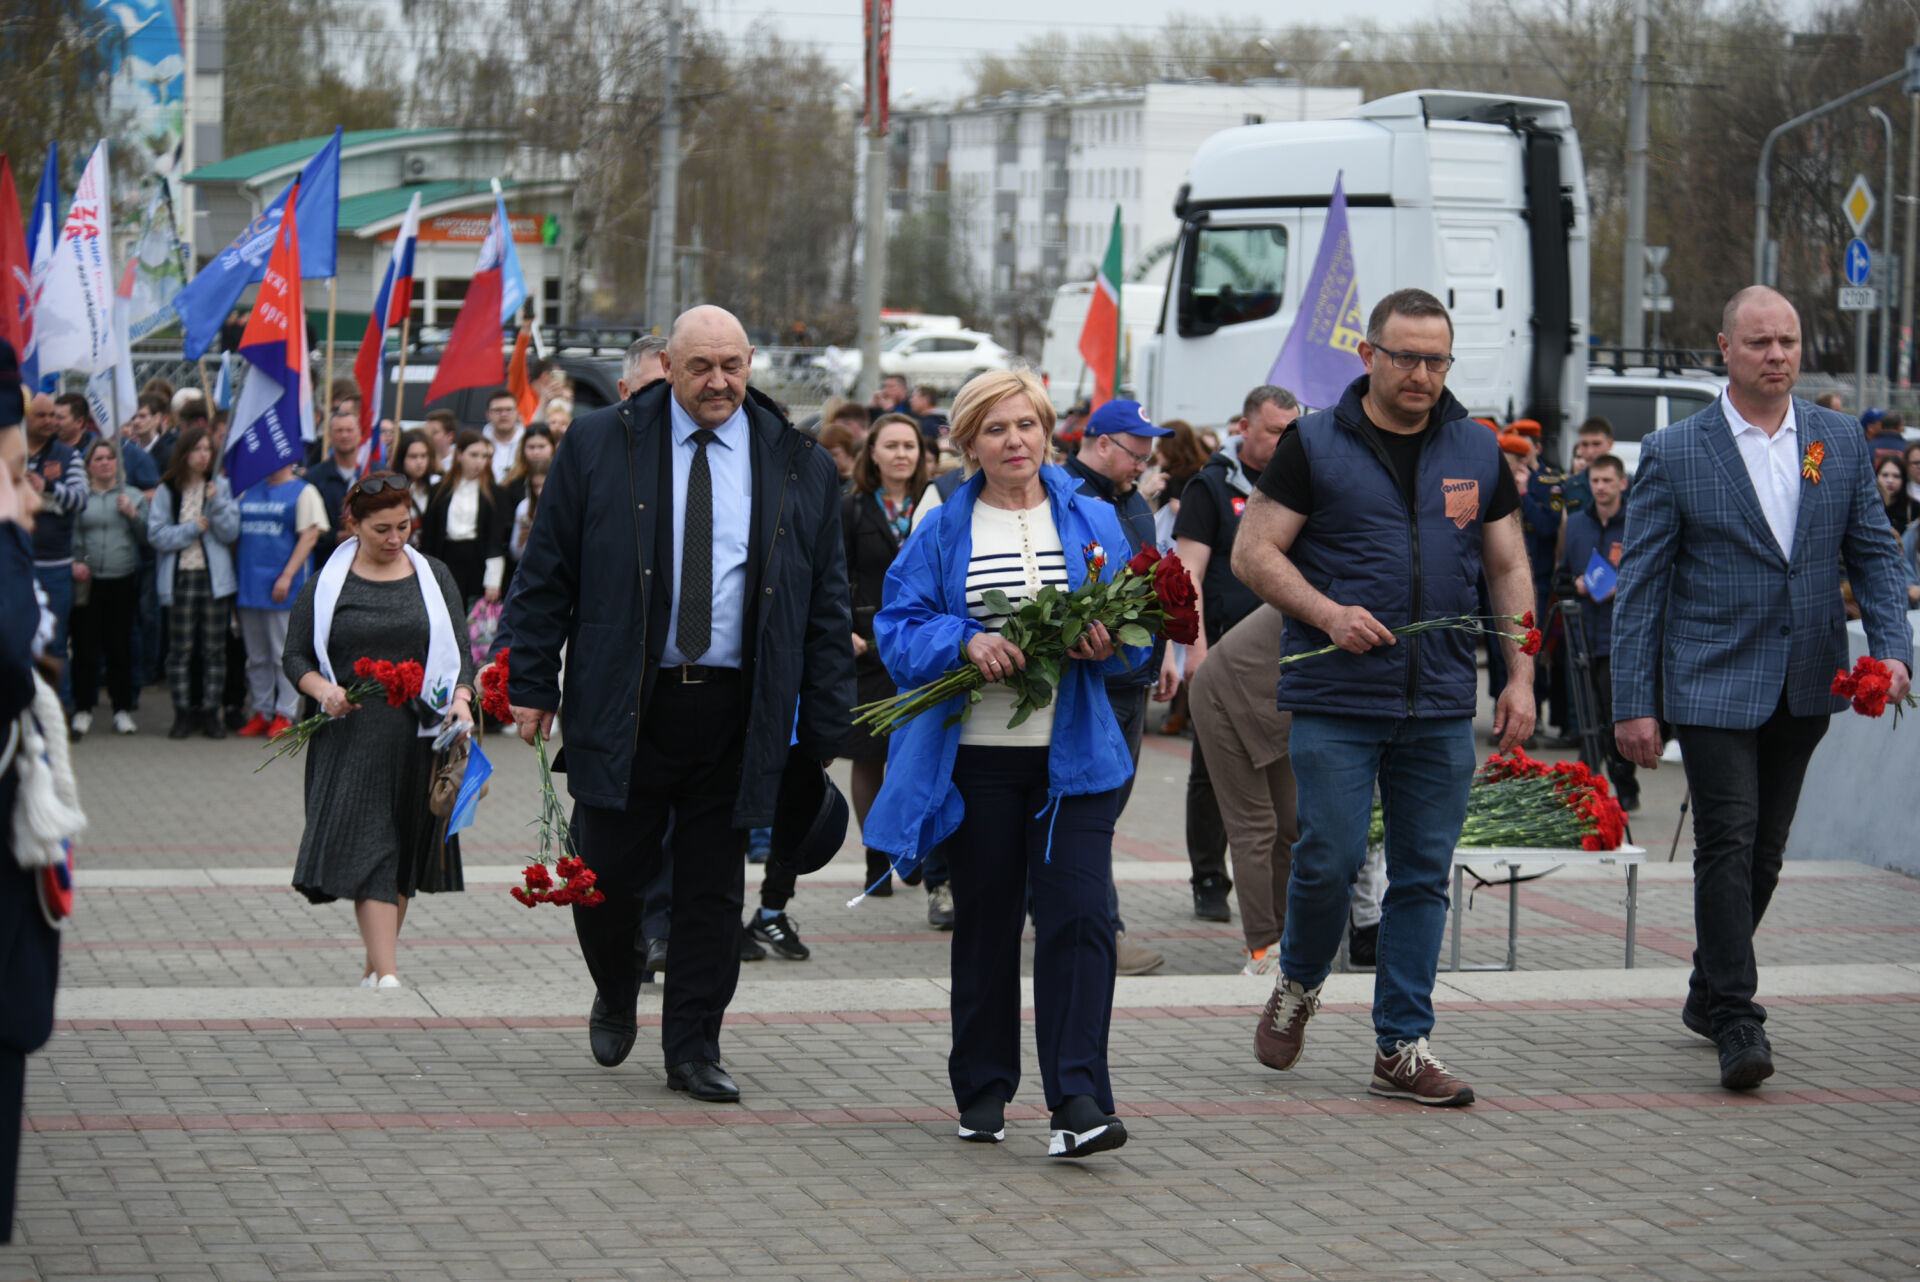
555,836
1152,594
1868,686
1517,801
400,682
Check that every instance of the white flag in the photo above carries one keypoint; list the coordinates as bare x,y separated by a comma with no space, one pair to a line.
73,311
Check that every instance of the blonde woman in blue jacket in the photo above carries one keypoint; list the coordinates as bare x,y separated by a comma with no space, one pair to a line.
1030,808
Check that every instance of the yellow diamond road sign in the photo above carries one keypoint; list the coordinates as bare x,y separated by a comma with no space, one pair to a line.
1859,204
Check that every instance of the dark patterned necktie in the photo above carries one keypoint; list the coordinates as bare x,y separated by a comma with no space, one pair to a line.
695,631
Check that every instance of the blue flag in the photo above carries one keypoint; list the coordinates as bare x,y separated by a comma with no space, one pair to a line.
204,304
467,800
41,234
1321,354
1601,578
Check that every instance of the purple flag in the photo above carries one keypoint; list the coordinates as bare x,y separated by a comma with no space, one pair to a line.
1321,354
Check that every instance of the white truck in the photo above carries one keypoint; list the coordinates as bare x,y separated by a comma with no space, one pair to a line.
1479,199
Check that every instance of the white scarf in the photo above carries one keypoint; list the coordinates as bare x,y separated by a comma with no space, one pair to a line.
46,808
443,654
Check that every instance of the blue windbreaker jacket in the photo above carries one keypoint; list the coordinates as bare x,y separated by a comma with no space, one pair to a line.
922,630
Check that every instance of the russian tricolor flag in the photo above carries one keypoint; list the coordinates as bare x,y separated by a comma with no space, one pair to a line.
390,308
472,356
276,400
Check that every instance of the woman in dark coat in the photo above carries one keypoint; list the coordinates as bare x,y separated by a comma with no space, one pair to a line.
890,470
370,836
465,527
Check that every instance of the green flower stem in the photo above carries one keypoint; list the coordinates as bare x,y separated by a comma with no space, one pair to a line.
300,733
555,836
1475,623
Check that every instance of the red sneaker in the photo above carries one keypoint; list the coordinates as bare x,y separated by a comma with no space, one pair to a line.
279,727
254,728
1412,1072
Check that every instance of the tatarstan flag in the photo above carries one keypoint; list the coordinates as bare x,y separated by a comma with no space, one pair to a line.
1100,336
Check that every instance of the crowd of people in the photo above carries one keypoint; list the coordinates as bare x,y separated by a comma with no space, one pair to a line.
770,577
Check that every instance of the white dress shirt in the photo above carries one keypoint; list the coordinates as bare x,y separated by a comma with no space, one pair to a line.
730,473
1773,465
503,453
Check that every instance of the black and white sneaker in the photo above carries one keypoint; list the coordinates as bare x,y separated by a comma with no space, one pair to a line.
984,1121
1080,1129
777,933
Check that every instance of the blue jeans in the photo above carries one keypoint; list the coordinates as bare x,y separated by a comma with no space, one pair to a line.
57,582
1424,769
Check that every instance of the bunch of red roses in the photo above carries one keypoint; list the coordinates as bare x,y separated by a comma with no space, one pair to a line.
400,682
1151,594
555,835
576,885
1869,688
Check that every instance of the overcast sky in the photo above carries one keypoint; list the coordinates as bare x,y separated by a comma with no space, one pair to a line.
935,40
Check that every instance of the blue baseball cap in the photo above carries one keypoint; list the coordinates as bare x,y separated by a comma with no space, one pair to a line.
1116,418
1871,417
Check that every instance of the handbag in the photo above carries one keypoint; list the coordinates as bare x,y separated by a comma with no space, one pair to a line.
449,770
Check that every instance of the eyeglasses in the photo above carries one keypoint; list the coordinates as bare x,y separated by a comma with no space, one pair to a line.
372,485
1141,459
1407,360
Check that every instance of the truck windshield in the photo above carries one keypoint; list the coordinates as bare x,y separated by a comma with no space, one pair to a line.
1231,275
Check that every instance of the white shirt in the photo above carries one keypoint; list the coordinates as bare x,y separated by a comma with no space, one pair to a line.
503,453
1773,465
463,525
1018,553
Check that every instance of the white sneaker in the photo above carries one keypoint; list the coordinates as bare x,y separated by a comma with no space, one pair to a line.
81,723
368,980
389,981
1264,962
123,723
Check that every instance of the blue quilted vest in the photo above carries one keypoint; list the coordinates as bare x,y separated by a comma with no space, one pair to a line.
1361,546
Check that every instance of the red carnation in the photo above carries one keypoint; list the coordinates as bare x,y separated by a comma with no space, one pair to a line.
1532,644
1526,620
363,668
1144,560
520,893
493,689
538,878
1178,601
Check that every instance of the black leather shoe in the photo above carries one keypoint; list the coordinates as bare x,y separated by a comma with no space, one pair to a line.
704,1080
1210,899
1694,1016
211,725
182,724
1746,1059
656,960
610,1036
1363,945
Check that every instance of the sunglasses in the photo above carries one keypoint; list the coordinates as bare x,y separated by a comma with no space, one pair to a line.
374,484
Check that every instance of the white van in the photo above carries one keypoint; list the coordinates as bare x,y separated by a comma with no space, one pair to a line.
1480,199
1068,379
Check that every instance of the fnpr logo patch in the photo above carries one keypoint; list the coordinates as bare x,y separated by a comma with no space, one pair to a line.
1463,501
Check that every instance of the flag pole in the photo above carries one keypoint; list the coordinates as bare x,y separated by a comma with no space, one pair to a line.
206,388
400,379
333,283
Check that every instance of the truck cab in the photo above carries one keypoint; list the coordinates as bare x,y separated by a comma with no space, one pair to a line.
1480,199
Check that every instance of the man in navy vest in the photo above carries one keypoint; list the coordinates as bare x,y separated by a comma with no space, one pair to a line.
1728,624
1372,515
1116,447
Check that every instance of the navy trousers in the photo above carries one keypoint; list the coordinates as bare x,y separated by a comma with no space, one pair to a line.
1013,846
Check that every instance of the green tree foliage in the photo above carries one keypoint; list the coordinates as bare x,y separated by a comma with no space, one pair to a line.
54,56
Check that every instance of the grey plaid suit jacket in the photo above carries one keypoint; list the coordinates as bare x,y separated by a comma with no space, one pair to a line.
1710,618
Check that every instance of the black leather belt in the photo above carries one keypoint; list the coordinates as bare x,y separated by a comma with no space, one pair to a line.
693,674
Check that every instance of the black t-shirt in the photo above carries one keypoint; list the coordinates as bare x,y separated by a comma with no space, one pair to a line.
1288,478
1199,516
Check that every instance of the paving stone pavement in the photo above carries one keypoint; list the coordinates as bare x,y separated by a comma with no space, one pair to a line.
459,1130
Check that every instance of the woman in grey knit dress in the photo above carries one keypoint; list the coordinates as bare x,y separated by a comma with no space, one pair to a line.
370,836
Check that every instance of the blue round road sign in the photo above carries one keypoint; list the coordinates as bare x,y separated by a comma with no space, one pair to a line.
1859,262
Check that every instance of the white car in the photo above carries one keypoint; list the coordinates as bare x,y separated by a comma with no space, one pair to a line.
943,359
1639,402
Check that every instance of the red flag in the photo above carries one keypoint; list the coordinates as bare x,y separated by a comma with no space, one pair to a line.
1100,336
472,355
519,380
16,269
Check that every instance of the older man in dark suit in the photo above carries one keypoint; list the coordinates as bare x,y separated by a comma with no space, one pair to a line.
688,555
1729,612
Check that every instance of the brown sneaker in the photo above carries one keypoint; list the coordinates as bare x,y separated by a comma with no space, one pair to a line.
1412,1072
1282,1030
1135,959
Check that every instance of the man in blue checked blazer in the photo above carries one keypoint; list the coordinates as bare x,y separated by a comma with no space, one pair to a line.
1729,625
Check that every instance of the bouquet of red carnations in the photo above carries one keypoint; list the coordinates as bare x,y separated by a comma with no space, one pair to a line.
577,880
400,682
1517,801
1868,686
1152,594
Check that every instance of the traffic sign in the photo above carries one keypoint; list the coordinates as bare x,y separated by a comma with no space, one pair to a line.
1859,204
1664,303
1656,256
1859,262
1858,298
1653,285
